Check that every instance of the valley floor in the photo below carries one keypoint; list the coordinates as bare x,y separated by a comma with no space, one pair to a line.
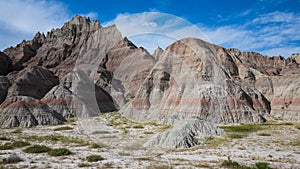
120,142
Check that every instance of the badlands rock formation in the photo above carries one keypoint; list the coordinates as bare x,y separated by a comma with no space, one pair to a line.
82,69
24,111
197,79
184,134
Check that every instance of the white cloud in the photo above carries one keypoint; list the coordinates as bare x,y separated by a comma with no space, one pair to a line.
270,34
152,29
91,15
21,19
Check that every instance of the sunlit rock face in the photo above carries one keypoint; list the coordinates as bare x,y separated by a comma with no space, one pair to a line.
196,79
84,69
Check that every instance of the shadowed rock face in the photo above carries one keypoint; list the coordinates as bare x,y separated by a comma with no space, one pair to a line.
5,63
23,111
34,82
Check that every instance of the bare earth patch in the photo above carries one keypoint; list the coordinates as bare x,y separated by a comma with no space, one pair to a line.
119,143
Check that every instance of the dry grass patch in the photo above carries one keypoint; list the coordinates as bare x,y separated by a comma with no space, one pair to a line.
63,128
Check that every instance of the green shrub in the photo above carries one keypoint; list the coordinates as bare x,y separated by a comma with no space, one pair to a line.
234,165
236,135
100,132
94,158
95,145
138,127
37,149
19,144
264,134
262,165
59,152
63,128
6,146
17,131
243,128
83,165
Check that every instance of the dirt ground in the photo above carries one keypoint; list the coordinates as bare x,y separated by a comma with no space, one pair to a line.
120,142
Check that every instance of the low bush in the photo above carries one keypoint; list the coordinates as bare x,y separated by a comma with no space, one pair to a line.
264,134
20,144
63,128
94,158
59,152
37,149
262,165
138,127
6,146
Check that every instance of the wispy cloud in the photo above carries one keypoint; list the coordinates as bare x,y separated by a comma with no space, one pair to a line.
21,19
271,34
158,28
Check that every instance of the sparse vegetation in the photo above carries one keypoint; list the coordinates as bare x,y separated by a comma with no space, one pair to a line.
95,145
94,158
19,144
63,128
123,153
159,166
71,121
56,138
148,132
100,132
235,165
84,165
59,152
17,131
37,149
124,131
138,127
264,134
6,146
262,165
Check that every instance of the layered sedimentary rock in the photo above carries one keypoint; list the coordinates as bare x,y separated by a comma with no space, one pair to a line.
60,98
101,71
184,134
5,63
197,79
24,111
34,82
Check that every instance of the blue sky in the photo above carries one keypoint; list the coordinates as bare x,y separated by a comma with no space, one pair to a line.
270,27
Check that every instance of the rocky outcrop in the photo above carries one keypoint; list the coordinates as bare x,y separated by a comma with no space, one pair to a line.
275,77
24,51
4,84
96,70
197,79
89,99
157,53
24,111
33,81
123,70
286,100
60,98
184,134
296,57
5,63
